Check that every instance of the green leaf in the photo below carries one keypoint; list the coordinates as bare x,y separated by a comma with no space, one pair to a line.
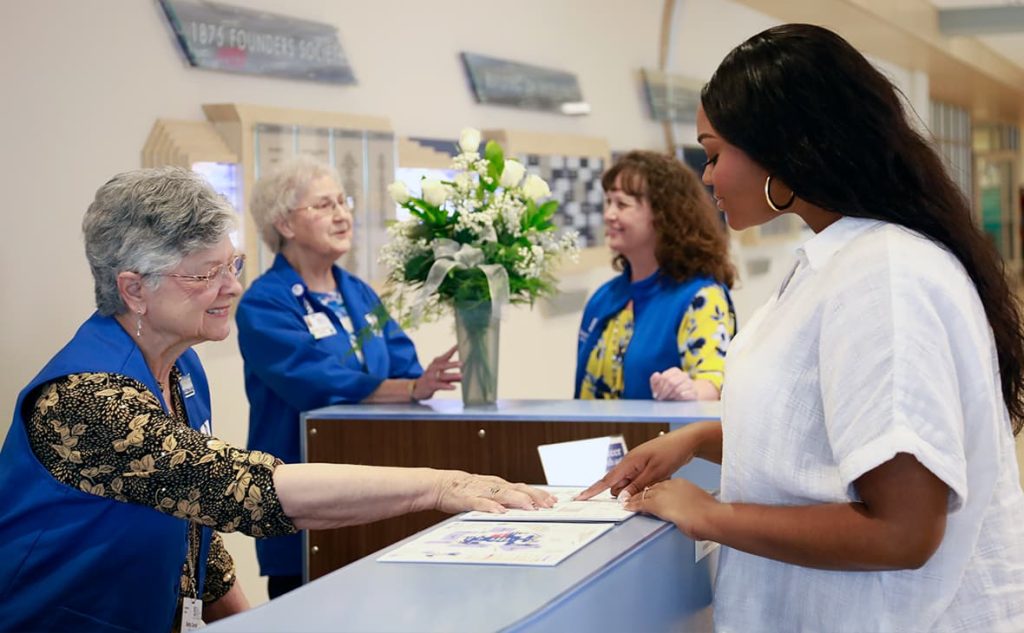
495,156
416,268
548,209
427,212
495,162
531,211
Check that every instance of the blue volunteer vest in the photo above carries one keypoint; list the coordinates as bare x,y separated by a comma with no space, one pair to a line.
654,345
74,561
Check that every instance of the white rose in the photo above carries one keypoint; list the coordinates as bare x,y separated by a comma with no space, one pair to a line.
469,140
398,192
434,192
535,188
512,174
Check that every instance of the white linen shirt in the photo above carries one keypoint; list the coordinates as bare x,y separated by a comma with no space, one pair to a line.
876,344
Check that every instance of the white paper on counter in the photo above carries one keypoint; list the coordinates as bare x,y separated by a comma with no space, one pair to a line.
602,508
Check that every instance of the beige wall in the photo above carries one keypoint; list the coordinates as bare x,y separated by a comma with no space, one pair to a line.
84,81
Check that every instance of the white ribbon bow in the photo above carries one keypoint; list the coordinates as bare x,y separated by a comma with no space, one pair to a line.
449,254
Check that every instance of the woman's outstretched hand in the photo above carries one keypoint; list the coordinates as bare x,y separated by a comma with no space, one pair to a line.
651,462
459,491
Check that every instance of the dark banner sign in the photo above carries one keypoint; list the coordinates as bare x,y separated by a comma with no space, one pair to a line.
671,97
502,82
221,37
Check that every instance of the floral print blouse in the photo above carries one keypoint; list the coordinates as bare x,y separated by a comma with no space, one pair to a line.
704,334
107,434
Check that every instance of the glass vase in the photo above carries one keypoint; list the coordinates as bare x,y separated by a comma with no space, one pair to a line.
477,332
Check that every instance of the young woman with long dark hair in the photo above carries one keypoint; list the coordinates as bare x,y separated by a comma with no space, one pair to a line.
868,421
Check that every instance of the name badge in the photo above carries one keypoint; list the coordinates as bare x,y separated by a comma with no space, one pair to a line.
186,386
319,325
191,615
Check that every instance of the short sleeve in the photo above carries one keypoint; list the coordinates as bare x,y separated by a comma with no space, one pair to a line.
889,376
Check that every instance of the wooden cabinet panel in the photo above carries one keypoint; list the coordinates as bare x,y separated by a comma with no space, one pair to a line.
507,449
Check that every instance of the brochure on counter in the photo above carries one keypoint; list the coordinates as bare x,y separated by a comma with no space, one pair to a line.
602,508
498,543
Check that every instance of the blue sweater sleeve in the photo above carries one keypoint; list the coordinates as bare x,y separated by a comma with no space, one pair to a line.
280,351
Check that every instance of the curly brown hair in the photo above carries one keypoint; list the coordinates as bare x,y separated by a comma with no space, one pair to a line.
689,239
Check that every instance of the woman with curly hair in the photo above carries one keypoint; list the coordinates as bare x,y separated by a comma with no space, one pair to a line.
660,329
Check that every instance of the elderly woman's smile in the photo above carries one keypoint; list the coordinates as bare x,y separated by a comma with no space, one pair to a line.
192,303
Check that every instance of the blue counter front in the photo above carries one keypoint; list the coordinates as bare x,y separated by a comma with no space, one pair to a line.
639,576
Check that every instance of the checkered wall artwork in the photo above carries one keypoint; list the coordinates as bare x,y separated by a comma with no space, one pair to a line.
575,183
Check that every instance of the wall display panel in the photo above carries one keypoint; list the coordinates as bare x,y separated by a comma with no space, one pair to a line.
381,167
274,144
264,137
349,149
315,142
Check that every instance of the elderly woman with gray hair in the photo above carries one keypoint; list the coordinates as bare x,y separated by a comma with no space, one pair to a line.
113,486
312,334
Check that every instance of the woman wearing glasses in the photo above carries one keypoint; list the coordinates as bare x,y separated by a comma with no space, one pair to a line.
314,335
112,484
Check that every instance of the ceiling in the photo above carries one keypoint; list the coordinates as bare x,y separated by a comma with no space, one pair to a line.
1007,45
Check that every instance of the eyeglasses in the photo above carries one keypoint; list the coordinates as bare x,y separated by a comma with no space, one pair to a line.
329,204
230,270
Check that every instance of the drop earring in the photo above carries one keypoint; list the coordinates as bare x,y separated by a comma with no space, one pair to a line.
138,323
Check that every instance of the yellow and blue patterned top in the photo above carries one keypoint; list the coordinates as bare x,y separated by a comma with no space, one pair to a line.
703,336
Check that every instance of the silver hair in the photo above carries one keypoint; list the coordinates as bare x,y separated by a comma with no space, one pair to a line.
146,221
280,191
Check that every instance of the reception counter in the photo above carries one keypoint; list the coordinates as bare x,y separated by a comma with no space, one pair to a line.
499,439
639,576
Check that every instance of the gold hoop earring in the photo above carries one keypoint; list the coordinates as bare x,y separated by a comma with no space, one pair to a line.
138,323
778,208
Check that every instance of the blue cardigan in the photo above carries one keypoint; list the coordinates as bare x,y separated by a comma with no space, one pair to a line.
74,561
659,304
288,371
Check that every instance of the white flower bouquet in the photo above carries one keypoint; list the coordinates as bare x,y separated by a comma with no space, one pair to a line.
483,237
474,243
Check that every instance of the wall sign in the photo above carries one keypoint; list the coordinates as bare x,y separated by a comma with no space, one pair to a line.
222,37
671,97
502,82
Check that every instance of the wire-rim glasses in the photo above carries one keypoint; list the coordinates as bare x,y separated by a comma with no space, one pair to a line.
230,270
330,204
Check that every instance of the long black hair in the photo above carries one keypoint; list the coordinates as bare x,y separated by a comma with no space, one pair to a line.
804,104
